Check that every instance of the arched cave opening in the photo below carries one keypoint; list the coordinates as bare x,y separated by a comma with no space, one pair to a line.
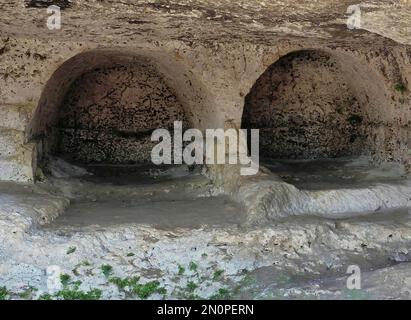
108,115
319,117
93,128
99,109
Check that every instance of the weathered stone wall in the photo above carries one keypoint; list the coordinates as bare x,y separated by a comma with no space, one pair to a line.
108,115
305,109
210,77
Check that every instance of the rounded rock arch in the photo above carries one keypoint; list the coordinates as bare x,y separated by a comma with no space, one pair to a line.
183,83
282,104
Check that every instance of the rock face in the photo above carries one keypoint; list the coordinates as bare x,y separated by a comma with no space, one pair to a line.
108,115
213,257
211,55
85,90
305,109
94,89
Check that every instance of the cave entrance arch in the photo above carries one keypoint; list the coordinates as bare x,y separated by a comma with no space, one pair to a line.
317,105
305,109
98,111
101,106
108,115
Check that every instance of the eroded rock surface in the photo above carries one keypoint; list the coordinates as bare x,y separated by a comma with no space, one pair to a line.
108,115
209,56
198,262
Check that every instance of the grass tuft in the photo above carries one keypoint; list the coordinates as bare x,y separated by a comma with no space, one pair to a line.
193,266
71,250
4,293
400,87
107,270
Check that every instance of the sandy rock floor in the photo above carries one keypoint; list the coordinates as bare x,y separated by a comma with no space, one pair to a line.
212,255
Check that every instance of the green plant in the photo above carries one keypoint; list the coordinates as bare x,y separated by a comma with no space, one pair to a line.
143,291
107,270
75,294
400,87
65,279
130,254
222,294
71,291
45,296
27,294
193,266
4,293
217,274
191,286
85,263
126,282
71,250
76,284
181,270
